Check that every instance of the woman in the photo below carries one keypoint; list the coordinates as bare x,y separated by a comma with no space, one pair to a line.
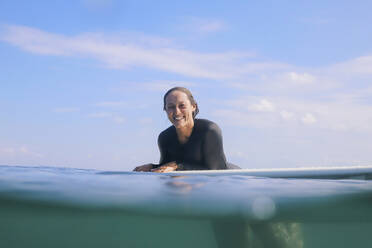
189,144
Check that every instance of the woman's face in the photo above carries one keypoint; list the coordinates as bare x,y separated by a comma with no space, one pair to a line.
179,109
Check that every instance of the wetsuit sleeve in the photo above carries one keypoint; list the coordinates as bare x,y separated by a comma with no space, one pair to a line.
214,156
162,150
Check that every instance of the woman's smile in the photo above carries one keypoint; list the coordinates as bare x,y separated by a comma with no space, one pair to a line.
179,118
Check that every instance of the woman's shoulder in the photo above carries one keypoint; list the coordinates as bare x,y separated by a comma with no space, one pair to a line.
167,133
207,125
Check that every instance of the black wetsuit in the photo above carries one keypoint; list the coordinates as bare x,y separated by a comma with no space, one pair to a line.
202,151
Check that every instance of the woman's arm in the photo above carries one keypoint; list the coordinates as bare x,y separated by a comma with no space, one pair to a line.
145,167
168,167
214,156
162,150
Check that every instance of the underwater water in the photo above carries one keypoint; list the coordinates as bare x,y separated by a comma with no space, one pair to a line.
64,207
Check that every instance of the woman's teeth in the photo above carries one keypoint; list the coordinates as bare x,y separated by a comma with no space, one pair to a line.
178,118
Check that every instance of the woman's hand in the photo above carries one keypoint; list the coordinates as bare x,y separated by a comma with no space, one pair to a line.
145,167
168,167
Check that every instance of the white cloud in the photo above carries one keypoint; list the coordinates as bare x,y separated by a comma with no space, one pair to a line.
209,25
287,115
350,77
291,83
251,104
241,118
202,26
125,50
358,66
290,112
121,54
308,119
7,150
301,78
333,97
263,106
19,151
35,41
118,119
25,150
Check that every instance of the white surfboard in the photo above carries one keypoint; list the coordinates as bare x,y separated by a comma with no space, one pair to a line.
347,172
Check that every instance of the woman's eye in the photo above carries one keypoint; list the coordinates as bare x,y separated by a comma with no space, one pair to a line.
182,106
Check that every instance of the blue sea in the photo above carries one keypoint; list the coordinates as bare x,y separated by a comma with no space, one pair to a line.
65,207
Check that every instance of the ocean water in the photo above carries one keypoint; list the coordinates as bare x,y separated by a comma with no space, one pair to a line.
63,207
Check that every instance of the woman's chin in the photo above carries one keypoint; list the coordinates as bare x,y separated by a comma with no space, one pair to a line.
179,124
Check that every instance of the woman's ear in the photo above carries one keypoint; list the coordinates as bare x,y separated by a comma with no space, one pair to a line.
194,110
194,107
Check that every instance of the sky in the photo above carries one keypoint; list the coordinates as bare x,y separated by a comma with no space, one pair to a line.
288,82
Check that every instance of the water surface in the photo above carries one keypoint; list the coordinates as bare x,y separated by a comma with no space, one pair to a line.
64,207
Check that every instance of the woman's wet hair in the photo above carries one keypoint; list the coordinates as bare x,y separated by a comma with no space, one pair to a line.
189,96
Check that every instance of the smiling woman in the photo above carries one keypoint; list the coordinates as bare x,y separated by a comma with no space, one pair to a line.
189,144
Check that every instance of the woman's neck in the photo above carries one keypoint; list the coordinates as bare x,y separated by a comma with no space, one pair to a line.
184,133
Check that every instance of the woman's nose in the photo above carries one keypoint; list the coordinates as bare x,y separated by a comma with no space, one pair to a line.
177,110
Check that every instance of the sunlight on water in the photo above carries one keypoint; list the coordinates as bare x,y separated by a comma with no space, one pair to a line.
59,207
